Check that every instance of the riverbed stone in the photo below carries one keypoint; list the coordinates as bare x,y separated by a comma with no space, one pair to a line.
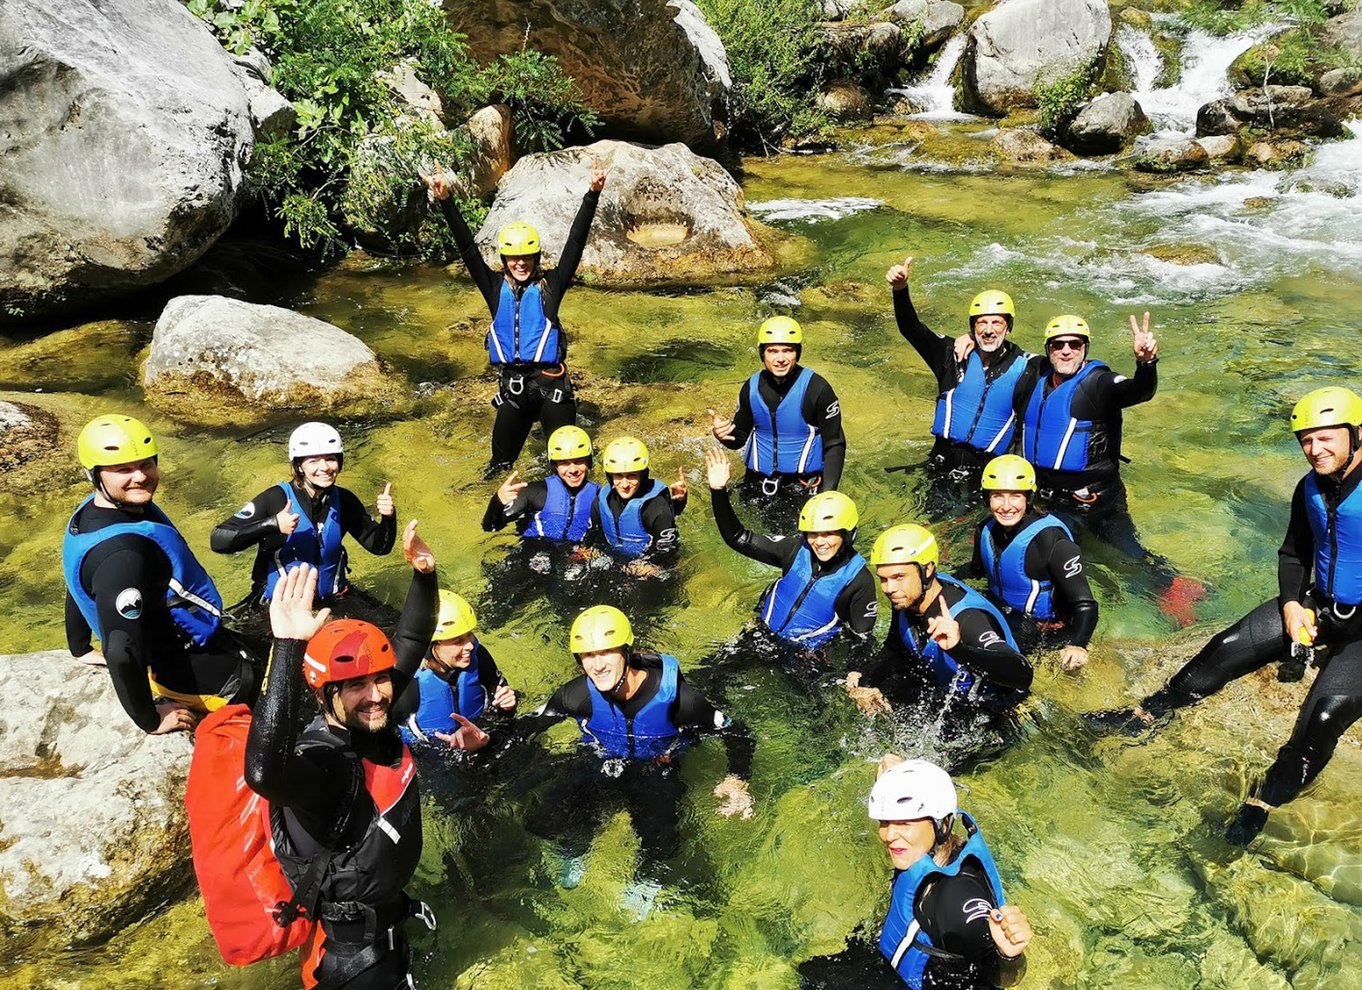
655,70
846,99
128,130
1344,32
93,833
26,433
1283,109
1177,155
666,215
868,51
1106,125
1221,147
1277,153
1023,44
214,360
935,19
1025,146
1341,82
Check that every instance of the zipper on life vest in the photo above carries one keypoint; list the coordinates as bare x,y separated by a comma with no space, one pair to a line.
515,338
799,600
571,515
979,410
1332,513
775,431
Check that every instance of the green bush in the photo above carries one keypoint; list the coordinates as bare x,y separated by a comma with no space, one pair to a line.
1293,56
1059,100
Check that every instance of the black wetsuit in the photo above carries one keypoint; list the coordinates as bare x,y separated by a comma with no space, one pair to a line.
820,410
316,786
528,392
657,517
652,789
136,641
1334,702
1053,557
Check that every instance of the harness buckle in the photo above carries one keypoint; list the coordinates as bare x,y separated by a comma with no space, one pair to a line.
557,396
422,911
515,384
958,474
770,486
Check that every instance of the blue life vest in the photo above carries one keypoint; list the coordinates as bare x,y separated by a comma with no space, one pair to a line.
902,940
1007,577
566,515
648,734
321,549
787,443
440,699
1051,437
979,412
627,536
800,607
1338,543
194,602
521,332
942,665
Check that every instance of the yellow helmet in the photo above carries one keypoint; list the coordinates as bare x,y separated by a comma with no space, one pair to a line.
992,302
518,238
905,544
827,512
780,330
601,627
456,617
1009,473
625,454
568,443
114,439
1328,406
1068,326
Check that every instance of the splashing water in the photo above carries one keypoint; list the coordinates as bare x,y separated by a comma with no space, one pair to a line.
812,210
1205,75
933,92
1144,60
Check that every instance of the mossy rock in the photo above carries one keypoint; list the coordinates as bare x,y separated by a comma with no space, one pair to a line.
83,358
1184,254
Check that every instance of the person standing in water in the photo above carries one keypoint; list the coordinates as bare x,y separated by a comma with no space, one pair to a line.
525,343
556,509
1318,608
634,515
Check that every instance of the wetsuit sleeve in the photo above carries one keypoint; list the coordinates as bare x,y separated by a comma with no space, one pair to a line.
935,350
984,649
417,625
858,608
774,550
976,568
375,535
822,409
742,421
78,631
571,256
659,519
1295,557
954,912
566,702
530,500
124,641
258,527
483,276
1058,557
1120,392
692,710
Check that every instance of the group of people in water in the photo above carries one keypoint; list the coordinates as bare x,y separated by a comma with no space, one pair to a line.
334,762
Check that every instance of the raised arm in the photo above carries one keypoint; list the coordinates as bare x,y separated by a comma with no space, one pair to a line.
258,523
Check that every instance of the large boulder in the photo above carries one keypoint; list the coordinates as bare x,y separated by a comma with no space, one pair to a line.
1278,108
933,20
126,131
1022,44
1026,147
215,360
653,69
871,51
666,215
846,99
1174,155
93,833
1106,125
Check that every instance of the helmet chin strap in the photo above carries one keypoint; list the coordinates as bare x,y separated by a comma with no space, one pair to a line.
941,830
623,674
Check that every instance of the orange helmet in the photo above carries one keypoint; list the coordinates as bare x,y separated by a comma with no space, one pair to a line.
344,649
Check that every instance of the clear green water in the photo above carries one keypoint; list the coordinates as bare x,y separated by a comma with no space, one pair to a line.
1115,853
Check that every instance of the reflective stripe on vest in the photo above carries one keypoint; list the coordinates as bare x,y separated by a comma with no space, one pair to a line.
944,669
649,734
322,549
787,443
440,699
979,412
800,607
1338,542
627,535
521,332
902,940
1007,577
194,603
566,515
1051,437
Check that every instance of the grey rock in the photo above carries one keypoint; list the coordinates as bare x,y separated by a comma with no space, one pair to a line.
666,215
1023,43
94,833
1221,147
490,133
938,18
1025,146
1341,82
1277,153
1107,124
419,99
1344,32
1177,155
846,99
1217,118
127,130
836,10
1281,108
653,69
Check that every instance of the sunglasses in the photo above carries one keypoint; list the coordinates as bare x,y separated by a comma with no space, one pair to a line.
1067,345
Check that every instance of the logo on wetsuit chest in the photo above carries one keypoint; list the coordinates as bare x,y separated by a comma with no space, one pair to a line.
976,908
129,603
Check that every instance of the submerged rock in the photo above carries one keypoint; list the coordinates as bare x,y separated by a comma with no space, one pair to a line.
93,834
666,215
1107,124
26,432
215,360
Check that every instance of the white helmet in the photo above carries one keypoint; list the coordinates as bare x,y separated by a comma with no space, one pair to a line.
314,440
912,789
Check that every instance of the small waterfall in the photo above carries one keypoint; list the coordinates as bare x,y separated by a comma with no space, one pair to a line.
1141,57
933,93
1204,77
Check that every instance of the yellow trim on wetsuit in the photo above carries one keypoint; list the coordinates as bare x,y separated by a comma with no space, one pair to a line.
201,703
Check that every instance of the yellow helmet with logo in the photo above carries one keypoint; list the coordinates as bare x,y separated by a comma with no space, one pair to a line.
114,439
569,443
905,544
828,512
518,238
1328,406
625,454
1068,326
1009,473
456,617
601,627
780,330
992,302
